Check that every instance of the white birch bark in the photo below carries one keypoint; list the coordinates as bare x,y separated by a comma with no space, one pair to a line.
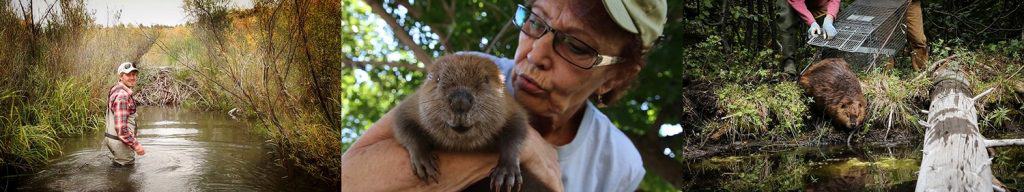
955,158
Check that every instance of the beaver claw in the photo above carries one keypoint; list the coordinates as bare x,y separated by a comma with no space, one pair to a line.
425,167
506,177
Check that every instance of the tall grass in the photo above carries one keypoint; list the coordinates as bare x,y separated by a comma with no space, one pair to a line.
40,99
895,100
31,130
68,108
22,145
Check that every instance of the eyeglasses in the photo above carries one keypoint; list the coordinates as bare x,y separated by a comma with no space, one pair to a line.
568,47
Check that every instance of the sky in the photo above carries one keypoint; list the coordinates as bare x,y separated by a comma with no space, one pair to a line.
145,12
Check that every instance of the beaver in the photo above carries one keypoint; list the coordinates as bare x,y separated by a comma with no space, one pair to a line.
836,89
462,106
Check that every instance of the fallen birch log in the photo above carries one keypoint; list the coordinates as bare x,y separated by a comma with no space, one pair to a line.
955,156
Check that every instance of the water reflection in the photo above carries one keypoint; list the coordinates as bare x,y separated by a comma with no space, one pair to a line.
892,168
185,151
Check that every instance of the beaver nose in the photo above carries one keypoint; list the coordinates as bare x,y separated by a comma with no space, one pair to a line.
853,122
461,101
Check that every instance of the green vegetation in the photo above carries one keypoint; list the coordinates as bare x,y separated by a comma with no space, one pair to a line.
773,111
39,103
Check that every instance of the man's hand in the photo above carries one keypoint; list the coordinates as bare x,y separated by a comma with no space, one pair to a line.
830,31
377,157
139,150
815,29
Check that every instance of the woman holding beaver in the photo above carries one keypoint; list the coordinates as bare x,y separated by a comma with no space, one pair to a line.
571,55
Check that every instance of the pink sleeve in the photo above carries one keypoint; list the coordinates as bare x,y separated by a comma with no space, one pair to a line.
801,8
833,8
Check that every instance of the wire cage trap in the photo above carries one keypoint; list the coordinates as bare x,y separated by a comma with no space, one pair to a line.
869,32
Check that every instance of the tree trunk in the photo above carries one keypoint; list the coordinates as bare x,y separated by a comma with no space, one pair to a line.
955,156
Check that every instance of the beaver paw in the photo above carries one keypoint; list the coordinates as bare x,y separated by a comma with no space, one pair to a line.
506,177
425,167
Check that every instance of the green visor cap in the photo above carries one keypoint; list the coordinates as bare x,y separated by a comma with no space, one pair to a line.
643,17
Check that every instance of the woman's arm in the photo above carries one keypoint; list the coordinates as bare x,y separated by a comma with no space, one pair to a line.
800,6
377,162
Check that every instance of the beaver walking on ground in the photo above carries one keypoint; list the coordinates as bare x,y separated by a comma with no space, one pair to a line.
462,106
836,89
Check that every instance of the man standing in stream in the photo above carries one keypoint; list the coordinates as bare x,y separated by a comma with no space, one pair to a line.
120,118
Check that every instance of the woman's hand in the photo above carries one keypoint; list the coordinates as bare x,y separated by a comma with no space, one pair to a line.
377,162
814,30
830,31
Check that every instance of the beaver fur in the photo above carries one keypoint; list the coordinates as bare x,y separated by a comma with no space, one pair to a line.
836,88
463,107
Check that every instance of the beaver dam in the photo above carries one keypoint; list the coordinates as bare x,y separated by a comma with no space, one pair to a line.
162,86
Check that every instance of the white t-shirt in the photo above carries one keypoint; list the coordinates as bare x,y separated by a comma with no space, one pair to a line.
600,157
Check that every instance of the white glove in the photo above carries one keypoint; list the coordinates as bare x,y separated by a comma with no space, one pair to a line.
830,31
815,30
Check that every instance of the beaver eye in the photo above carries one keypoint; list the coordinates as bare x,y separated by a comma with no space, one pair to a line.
439,83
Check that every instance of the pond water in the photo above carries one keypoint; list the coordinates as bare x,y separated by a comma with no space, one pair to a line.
891,167
185,151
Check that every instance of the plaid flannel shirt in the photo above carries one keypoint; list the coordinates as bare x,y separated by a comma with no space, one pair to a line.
122,105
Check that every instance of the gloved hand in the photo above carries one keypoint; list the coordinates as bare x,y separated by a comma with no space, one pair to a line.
815,30
830,31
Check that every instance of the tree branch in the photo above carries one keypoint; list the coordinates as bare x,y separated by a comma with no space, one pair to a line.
934,66
496,38
321,96
405,65
1003,142
403,36
436,29
47,13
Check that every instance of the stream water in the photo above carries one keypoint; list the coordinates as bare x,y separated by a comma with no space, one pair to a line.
206,151
839,168
185,151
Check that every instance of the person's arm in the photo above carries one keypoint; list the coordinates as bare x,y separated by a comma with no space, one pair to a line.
801,8
377,162
121,124
832,8
121,113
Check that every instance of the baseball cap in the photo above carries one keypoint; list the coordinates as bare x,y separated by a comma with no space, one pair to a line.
126,67
645,18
